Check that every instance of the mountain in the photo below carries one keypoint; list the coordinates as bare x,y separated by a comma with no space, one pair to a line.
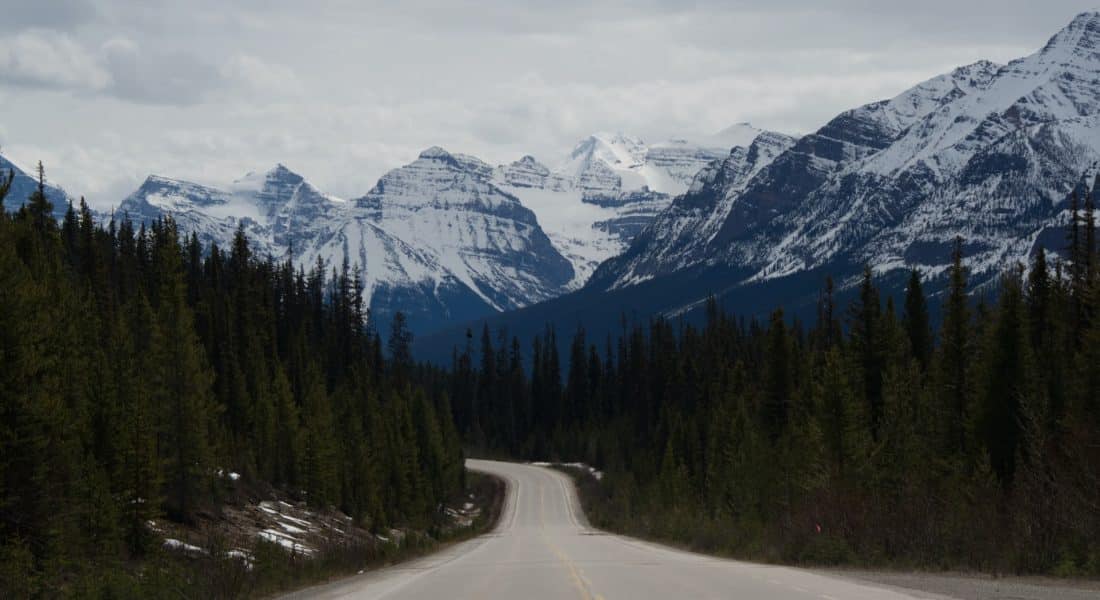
610,188
986,152
24,184
437,238
448,237
441,241
683,230
278,209
610,163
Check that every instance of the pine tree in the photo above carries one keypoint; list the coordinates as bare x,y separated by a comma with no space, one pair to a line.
139,468
1010,381
916,321
400,347
577,389
5,186
39,207
183,385
866,339
955,354
319,453
777,398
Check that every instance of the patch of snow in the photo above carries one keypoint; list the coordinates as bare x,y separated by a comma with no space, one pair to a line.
174,544
285,541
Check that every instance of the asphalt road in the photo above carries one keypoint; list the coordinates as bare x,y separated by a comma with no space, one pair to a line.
543,550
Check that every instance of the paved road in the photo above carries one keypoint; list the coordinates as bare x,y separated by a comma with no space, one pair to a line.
542,550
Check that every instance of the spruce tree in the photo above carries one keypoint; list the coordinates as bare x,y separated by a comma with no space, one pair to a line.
916,321
183,386
5,187
866,339
1010,381
777,398
955,354
39,207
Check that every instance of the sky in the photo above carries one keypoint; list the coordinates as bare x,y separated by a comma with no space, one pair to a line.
106,92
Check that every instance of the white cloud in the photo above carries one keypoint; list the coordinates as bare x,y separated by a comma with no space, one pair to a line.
342,91
255,74
50,59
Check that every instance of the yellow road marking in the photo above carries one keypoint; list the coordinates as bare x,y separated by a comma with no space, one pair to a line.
579,581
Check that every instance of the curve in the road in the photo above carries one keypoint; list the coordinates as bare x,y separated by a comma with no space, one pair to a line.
542,549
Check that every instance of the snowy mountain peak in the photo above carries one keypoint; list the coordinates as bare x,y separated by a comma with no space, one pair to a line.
530,162
986,152
614,149
738,134
434,153
1082,34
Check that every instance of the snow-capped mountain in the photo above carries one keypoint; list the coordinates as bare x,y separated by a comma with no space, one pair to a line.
986,152
685,228
441,241
605,164
610,188
25,183
448,237
278,209
586,226
438,238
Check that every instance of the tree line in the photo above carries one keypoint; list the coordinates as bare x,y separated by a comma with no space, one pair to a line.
866,436
138,368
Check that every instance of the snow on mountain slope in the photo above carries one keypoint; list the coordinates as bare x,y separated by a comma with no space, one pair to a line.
994,166
610,188
986,152
449,237
606,163
436,238
685,228
480,233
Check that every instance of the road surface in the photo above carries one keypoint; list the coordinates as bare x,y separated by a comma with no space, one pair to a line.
543,550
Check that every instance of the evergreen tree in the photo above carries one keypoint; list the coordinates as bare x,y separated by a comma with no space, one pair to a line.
777,399
955,354
1010,381
867,340
917,323
39,207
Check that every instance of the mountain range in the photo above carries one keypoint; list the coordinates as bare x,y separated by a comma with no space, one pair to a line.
987,152
447,238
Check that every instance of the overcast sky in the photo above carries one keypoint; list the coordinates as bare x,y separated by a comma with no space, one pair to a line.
106,92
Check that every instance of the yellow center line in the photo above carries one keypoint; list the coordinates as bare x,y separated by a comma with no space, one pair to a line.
579,582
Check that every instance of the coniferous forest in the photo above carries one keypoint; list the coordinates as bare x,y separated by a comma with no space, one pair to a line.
137,368
869,436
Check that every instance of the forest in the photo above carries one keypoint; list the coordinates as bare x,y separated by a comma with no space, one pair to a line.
137,368
870,436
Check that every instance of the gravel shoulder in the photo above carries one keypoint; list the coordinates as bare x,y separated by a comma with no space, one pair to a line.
968,586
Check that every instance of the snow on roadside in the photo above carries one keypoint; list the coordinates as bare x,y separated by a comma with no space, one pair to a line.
593,471
174,544
284,540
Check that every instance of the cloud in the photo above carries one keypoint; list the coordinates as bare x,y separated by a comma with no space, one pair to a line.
157,77
49,59
254,73
123,69
51,14
108,91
